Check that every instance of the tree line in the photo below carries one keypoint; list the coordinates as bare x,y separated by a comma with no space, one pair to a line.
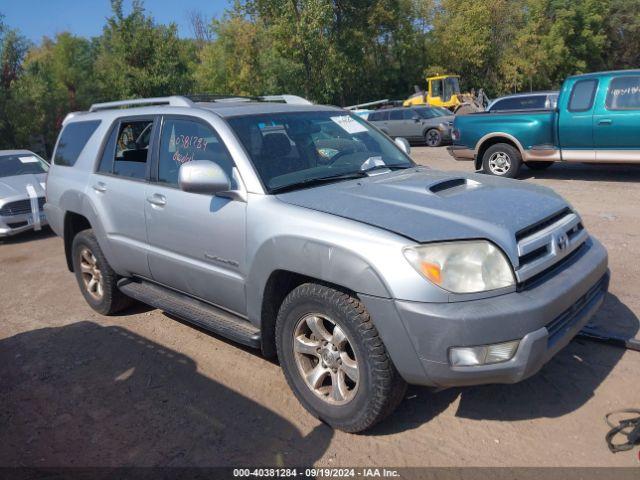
330,51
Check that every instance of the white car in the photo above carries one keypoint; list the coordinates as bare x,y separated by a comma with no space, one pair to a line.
22,187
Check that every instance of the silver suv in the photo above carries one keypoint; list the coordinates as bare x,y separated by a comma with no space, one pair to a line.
305,232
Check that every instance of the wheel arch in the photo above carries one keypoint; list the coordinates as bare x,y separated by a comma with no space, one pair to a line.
74,223
279,284
492,139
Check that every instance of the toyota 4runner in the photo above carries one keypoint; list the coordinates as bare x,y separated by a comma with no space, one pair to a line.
305,232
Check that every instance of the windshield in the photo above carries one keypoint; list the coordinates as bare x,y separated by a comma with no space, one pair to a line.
12,165
289,149
426,112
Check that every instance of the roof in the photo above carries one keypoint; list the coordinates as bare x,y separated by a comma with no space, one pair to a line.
529,94
230,106
15,152
236,109
606,73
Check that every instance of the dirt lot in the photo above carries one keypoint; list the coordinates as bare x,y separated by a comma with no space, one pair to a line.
77,388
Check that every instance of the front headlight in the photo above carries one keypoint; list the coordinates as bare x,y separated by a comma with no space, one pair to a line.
462,267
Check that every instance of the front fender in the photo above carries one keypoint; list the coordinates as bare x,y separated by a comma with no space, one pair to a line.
312,258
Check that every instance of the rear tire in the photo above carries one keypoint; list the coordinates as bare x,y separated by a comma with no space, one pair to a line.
502,160
433,138
96,278
334,360
539,165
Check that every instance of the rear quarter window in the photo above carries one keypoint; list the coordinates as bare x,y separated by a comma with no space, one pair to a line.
624,93
582,95
72,140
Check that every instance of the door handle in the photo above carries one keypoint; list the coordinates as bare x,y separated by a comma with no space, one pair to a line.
100,187
157,200
605,121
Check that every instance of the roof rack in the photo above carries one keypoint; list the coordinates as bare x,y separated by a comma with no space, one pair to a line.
188,101
173,101
292,99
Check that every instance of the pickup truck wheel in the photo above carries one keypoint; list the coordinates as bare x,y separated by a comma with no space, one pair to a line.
502,160
538,165
96,278
334,360
433,138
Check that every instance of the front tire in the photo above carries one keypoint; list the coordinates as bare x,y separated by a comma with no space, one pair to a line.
334,360
502,160
433,138
96,278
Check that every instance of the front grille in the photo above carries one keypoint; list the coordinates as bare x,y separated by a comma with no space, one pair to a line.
17,224
19,207
546,243
561,324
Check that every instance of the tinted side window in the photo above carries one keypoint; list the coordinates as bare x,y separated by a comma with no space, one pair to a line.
72,140
384,115
409,114
374,116
582,95
185,140
132,149
395,115
624,94
106,162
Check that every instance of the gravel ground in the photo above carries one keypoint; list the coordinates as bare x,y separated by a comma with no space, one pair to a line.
80,389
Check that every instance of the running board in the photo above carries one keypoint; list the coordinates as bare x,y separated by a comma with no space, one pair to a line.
193,311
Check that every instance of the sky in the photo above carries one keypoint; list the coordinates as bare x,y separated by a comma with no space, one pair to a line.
38,18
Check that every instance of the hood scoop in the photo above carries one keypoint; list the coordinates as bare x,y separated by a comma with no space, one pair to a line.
452,186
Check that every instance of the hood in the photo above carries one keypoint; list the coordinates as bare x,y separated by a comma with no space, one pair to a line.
16,186
428,206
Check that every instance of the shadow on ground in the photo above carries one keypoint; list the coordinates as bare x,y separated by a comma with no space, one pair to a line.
565,384
587,172
90,395
28,236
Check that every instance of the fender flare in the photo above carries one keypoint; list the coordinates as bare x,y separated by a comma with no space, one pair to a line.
310,258
489,136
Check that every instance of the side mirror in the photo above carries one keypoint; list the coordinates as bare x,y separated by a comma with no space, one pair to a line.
203,176
403,145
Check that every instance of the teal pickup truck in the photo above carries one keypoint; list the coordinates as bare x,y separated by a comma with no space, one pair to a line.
597,119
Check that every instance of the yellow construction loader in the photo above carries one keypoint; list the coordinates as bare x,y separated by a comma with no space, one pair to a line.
444,91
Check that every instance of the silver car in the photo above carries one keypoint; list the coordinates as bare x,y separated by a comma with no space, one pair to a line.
431,125
22,191
303,231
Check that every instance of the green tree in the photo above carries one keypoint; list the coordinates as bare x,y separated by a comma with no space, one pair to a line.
623,33
136,57
13,48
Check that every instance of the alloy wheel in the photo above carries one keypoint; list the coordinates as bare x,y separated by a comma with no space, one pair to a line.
499,163
325,359
91,274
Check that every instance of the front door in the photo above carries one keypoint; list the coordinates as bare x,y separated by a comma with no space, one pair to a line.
117,192
616,124
576,122
197,241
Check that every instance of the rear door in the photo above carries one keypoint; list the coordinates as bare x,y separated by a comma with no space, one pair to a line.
616,123
575,120
396,123
197,241
117,190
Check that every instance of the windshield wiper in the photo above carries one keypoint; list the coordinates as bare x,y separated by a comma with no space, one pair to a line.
386,167
309,182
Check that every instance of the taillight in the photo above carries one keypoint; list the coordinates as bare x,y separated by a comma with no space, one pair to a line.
455,134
